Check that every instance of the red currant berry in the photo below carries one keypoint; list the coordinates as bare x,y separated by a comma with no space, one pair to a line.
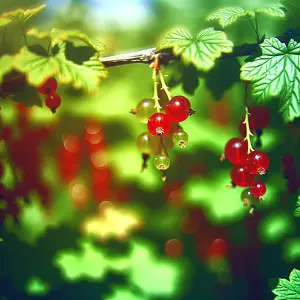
178,108
159,124
48,87
261,116
53,101
257,162
236,151
242,126
258,189
241,177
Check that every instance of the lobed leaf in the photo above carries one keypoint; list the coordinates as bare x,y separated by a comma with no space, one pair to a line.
276,73
201,51
227,15
4,21
274,10
6,65
21,15
286,290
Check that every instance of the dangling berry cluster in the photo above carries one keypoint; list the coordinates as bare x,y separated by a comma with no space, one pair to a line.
248,163
162,123
49,88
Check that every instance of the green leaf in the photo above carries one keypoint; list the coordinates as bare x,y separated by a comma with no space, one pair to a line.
4,21
36,67
276,73
97,66
57,35
21,15
201,51
227,15
80,76
6,65
286,290
28,95
297,209
274,10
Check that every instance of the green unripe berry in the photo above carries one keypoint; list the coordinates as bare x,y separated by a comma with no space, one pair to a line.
162,162
180,138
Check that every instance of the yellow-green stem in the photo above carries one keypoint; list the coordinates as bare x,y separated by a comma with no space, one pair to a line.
163,85
248,131
155,96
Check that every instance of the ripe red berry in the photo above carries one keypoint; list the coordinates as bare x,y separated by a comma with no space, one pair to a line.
159,124
257,162
241,177
236,151
258,189
48,87
261,116
53,101
178,108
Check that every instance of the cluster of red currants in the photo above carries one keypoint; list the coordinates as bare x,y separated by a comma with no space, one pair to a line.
49,88
246,167
162,125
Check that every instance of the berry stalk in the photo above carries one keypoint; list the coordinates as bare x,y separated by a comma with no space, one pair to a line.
248,131
155,83
164,86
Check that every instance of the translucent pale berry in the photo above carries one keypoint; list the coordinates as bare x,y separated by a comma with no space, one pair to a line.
242,126
159,124
177,109
144,143
53,101
162,162
247,196
145,109
257,162
48,87
241,177
261,116
258,189
180,138
236,151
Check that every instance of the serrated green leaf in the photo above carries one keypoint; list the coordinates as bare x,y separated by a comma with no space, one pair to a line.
36,67
21,15
274,10
201,51
276,73
80,76
57,35
286,290
33,11
4,21
28,95
227,15
6,65
97,66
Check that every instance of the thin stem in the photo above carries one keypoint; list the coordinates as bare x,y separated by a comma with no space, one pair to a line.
164,86
164,148
246,121
49,48
2,41
155,95
254,28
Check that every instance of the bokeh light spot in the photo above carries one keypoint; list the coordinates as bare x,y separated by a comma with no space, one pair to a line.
79,193
218,248
173,248
99,159
71,143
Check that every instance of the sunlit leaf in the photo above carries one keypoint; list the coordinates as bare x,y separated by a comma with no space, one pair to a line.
202,50
276,73
227,15
286,290
80,76
4,21
6,65
28,95
97,66
37,68
58,35
274,10
21,15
